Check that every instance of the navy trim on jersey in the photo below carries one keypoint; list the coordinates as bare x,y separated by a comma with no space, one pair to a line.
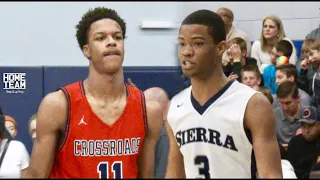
127,89
144,109
201,109
82,88
66,132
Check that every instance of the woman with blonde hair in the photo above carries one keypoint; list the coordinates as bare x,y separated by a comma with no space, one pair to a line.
272,32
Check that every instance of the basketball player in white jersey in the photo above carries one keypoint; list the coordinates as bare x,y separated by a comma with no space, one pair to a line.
210,124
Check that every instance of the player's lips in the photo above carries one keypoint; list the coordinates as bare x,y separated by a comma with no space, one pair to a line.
110,53
187,64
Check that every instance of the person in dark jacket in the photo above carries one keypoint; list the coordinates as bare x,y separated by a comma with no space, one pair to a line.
237,54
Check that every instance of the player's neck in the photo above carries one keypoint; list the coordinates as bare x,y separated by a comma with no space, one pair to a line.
204,89
105,86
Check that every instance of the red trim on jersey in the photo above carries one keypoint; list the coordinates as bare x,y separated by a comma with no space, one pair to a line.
66,132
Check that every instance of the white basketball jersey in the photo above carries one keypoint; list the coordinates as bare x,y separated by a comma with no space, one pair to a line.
213,144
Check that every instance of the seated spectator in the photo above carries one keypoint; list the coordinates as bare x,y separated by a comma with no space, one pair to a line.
313,59
304,149
314,34
272,32
288,72
287,169
266,91
231,31
32,126
283,48
250,76
289,112
11,126
237,54
307,72
15,155
315,170
162,146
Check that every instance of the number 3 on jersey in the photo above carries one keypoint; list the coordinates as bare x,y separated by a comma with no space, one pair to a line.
204,170
103,170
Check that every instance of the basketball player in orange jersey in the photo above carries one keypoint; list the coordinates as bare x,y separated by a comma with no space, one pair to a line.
99,127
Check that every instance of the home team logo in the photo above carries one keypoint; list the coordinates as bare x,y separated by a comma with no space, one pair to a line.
14,83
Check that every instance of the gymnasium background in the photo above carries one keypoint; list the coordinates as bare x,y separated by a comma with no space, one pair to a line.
38,39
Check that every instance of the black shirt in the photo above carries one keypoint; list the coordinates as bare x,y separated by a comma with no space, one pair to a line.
302,155
236,67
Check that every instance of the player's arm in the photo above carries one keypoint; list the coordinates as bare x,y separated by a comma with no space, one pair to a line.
146,159
260,121
175,166
52,114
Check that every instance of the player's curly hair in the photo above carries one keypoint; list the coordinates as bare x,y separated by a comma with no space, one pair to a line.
94,15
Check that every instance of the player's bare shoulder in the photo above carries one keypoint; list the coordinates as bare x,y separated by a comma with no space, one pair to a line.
258,106
54,108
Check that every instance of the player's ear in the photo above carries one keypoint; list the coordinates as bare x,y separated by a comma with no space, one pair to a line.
86,51
221,47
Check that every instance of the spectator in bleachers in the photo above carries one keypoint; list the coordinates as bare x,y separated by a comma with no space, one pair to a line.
32,126
162,146
314,34
288,72
289,112
282,48
250,76
231,31
237,54
287,169
272,32
11,125
14,155
304,149
266,91
314,60
315,171
308,70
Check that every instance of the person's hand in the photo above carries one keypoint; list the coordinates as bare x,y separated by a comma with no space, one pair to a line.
235,52
318,159
131,83
315,60
233,76
305,64
298,132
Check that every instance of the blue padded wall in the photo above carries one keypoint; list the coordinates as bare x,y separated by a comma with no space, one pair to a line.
22,106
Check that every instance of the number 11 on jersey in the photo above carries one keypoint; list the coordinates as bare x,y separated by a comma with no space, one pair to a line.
103,169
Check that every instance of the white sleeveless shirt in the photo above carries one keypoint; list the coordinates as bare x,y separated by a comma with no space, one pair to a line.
213,142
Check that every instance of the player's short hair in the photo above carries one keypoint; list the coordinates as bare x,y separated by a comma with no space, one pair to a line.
210,19
289,70
285,47
92,16
266,91
252,68
242,43
288,88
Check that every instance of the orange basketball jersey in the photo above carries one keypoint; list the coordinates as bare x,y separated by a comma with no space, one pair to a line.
93,149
